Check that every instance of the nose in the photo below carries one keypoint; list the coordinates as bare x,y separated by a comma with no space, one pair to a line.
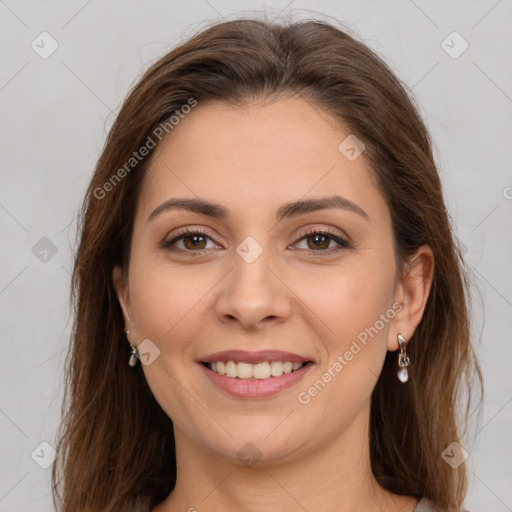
253,295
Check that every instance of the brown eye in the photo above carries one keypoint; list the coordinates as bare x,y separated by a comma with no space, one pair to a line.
319,241
193,241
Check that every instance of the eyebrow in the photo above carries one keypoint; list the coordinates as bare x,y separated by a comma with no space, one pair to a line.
288,210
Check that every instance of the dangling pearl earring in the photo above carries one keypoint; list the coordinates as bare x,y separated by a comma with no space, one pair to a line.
403,360
134,355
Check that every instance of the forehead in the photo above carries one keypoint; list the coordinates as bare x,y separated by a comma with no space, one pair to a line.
257,155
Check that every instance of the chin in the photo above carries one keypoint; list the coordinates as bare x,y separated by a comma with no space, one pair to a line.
256,447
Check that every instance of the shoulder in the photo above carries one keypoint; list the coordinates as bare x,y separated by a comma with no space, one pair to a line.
425,505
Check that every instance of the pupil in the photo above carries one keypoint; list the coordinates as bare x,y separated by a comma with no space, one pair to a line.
317,238
193,239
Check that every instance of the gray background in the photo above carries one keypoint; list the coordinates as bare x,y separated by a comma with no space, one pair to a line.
56,111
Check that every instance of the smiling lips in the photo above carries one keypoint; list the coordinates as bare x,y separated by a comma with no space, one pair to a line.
254,374
241,356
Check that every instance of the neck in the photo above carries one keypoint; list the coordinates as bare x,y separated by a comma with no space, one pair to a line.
333,476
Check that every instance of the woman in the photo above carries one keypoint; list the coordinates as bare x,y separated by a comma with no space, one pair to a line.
270,311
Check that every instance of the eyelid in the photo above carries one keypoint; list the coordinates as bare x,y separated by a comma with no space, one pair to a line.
343,241
183,232
339,237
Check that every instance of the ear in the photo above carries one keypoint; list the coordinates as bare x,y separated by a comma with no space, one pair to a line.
412,293
123,294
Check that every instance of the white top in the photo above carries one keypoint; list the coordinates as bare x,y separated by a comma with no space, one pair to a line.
425,505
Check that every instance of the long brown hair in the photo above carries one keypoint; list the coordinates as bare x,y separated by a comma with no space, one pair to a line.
115,443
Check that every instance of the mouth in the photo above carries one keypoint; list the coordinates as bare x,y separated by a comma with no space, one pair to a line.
260,380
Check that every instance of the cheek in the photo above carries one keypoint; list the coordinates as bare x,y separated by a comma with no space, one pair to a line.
353,338
167,309
164,300
352,299
355,310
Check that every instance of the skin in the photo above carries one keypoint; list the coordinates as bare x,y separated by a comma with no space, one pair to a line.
294,297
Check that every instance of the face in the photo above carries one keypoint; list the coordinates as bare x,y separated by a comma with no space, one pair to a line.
317,283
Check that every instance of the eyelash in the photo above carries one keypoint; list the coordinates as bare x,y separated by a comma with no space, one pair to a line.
343,244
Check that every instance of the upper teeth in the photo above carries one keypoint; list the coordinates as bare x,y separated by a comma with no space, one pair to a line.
254,371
